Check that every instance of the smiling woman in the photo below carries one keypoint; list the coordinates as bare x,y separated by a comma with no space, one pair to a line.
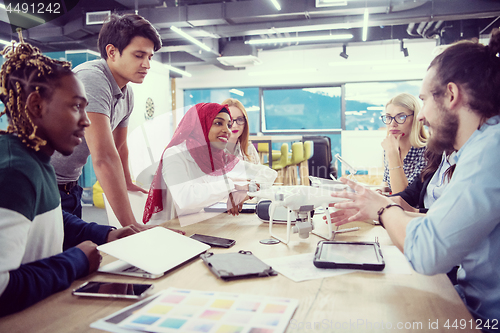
195,170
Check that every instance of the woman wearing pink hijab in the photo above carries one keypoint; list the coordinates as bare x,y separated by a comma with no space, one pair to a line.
195,171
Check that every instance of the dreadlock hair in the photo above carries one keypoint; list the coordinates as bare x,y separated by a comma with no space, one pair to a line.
24,71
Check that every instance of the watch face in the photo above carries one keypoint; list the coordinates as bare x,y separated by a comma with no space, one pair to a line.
150,108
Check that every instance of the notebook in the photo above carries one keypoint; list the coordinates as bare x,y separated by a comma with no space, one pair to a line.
150,253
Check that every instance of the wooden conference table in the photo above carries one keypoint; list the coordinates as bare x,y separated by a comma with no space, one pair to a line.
338,303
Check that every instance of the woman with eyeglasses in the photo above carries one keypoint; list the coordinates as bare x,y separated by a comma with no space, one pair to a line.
238,143
404,146
195,170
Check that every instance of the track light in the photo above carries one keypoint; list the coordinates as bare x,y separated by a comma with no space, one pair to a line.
343,54
403,48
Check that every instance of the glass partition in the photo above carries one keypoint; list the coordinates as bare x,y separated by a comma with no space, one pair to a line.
365,102
249,97
300,109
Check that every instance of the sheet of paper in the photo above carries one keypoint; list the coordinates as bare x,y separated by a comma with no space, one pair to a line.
301,268
180,310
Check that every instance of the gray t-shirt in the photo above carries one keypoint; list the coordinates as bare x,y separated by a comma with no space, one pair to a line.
104,96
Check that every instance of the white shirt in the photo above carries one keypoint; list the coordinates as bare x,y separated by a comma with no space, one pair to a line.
188,189
439,180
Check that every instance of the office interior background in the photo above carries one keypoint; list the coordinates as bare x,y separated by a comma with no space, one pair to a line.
302,67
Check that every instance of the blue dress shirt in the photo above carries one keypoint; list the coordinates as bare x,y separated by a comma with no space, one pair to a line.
462,227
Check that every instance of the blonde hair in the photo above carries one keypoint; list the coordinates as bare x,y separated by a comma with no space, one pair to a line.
243,139
418,135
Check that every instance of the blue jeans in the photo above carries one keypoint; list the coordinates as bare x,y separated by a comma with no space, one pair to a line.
72,202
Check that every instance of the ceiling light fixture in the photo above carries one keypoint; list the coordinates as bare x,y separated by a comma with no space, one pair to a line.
344,54
191,39
276,4
299,39
403,49
177,70
328,3
365,25
5,42
239,61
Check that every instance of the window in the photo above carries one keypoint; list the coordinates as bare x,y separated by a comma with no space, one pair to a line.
365,102
249,97
302,109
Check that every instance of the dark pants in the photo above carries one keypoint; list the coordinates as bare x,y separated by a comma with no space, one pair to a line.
72,202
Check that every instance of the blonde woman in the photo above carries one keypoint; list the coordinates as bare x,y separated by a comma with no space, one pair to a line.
404,146
238,143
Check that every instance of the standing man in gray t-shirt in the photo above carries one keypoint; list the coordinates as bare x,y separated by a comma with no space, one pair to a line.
127,44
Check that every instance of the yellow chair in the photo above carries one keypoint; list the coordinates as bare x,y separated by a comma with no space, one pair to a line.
304,165
296,158
97,195
281,164
263,150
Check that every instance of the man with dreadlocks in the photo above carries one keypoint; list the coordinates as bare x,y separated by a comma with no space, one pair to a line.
127,44
45,105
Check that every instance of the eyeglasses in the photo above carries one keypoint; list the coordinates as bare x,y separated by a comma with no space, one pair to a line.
240,121
400,118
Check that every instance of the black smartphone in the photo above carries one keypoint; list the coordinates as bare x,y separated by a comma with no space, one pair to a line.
113,289
214,241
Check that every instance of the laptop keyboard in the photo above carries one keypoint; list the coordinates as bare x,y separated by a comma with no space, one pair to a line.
133,269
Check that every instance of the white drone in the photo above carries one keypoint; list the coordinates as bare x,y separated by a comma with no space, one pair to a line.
301,200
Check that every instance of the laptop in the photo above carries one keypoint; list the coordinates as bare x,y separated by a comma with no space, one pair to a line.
150,253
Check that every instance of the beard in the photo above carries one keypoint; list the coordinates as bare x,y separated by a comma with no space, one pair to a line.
443,135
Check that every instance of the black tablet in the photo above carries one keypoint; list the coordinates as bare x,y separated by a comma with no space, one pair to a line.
221,207
351,255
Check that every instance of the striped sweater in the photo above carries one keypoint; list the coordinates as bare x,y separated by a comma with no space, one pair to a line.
34,231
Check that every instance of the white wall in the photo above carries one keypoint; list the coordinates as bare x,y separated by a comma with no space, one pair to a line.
147,138
363,151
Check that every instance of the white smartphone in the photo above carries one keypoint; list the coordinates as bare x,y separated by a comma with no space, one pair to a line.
113,289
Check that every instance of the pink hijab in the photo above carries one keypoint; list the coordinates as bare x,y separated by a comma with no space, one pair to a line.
193,129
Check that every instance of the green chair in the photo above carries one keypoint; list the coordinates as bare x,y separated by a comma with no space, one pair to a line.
304,165
281,164
295,160
263,150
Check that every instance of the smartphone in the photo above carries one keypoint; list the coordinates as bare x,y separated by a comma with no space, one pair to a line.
113,289
214,241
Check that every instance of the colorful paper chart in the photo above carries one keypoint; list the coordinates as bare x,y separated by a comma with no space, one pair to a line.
181,310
